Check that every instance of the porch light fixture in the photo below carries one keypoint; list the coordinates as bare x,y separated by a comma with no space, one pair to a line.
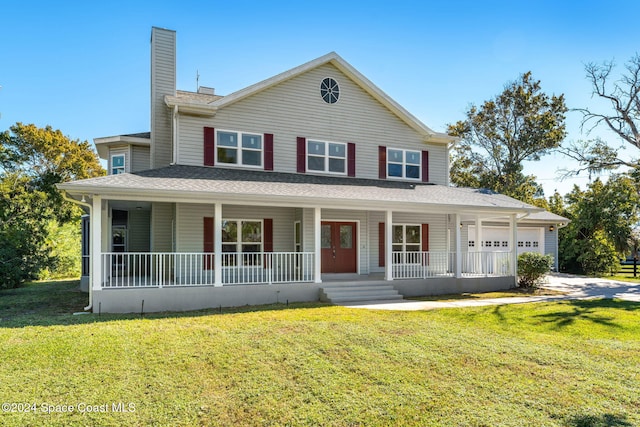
551,228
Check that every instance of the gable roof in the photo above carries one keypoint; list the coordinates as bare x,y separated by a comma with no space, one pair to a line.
195,106
182,183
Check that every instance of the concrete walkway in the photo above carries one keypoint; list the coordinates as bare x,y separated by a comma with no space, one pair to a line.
575,287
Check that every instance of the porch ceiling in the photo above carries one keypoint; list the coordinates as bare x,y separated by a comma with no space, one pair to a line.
180,183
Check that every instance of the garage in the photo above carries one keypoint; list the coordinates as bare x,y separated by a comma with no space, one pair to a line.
496,239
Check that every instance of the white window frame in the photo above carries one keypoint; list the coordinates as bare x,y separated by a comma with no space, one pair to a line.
239,148
404,234
242,260
297,236
404,164
120,169
327,156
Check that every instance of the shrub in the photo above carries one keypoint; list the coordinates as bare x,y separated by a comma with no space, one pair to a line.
532,267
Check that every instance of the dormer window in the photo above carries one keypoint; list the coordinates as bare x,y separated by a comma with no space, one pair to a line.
117,164
403,164
239,148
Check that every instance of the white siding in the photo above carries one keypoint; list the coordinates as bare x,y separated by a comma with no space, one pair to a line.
139,230
437,232
190,228
140,160
294,108
162,215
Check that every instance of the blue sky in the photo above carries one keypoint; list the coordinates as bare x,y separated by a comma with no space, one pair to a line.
83,67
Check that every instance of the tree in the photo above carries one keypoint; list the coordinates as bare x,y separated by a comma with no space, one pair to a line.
32,161
600,231
522,123
623,117
47,157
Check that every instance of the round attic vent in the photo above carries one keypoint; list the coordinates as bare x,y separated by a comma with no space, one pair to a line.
329,90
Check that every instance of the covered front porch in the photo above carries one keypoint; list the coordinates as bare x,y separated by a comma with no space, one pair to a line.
281,244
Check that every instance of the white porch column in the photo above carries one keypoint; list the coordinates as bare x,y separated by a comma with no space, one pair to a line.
217,244
479,242
479,247
388,245
317,244
513,227
96,243
456,227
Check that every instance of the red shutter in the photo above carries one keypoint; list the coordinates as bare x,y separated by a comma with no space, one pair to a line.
209,146
208,242
268,240
425,166
268,235
302,154
425,243
268,151
351,159
381,245
425,238
382,162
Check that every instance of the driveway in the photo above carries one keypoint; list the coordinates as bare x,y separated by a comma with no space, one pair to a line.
579,287
575,287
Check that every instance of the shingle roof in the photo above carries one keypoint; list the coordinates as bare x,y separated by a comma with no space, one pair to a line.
546,216
205,182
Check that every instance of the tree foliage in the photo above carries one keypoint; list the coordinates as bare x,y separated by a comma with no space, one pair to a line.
602,221
622,117
47,157
32,211
521,124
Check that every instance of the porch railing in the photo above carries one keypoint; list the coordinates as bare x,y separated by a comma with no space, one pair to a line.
480,264
423,265
145,269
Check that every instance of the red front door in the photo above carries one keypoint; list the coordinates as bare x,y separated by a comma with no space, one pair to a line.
339,251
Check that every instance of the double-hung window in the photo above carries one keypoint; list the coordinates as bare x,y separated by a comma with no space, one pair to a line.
117,164
407,243
407,238
405,164
327,157
242,242
239,148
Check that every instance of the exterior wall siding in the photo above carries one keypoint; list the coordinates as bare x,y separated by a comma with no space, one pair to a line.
139,231
190,229
294,108
162,221
437,232
140,158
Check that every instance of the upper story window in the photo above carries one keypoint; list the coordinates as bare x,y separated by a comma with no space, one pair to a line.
117,164
329,157
239,148
405,164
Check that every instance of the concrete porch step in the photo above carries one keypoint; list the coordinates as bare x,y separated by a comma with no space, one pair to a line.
353,292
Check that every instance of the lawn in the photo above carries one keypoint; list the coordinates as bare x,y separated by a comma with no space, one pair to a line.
543,364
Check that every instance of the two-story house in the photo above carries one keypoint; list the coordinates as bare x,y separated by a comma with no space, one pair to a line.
304,186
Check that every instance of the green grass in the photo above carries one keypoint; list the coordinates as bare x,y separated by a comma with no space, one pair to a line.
573,363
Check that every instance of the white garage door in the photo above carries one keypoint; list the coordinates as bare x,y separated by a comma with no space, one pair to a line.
498,239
